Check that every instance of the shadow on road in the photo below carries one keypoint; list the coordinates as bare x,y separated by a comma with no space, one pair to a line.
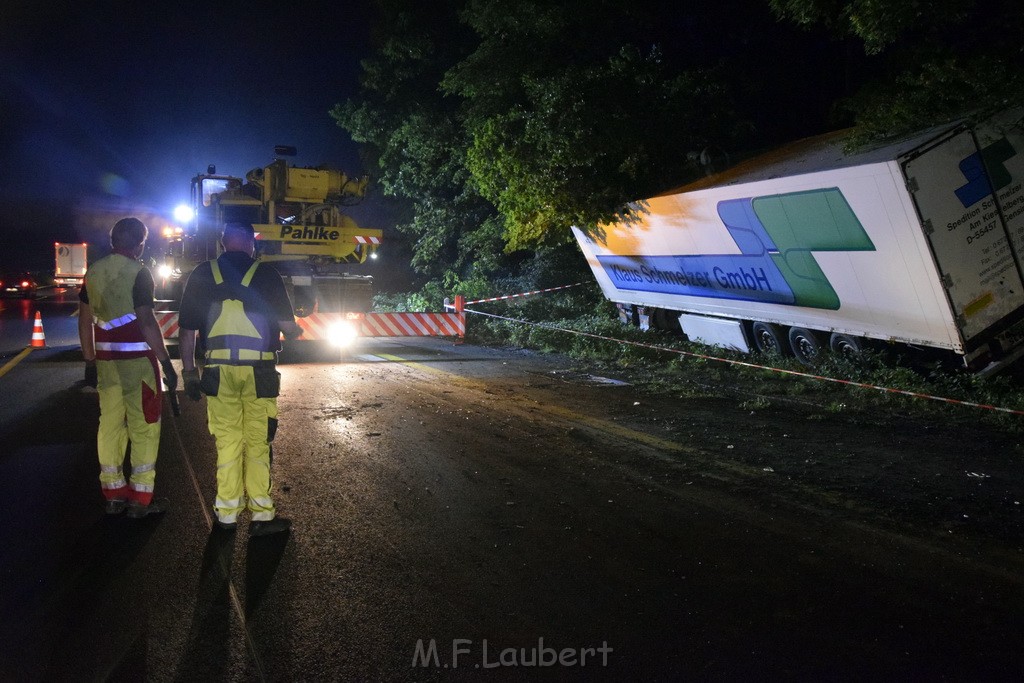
208,651
92,590
262,558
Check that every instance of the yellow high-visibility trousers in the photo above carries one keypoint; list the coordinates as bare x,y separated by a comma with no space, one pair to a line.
130,405
243,427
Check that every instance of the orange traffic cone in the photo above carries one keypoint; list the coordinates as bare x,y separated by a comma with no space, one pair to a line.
38,337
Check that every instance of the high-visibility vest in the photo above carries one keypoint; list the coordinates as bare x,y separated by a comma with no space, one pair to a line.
117,333
235,337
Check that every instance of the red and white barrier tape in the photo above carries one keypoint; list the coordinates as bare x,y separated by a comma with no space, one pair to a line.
514,296
795,373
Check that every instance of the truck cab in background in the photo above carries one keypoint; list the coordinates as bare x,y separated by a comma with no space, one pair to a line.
70,264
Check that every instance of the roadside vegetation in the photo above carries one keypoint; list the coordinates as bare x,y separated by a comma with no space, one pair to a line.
666,364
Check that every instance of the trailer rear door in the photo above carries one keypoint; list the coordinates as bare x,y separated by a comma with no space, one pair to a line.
969,240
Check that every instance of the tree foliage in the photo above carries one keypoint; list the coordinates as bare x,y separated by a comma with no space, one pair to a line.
582,116
413,136
506,123
936,60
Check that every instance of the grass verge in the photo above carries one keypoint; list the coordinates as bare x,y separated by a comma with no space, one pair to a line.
666,364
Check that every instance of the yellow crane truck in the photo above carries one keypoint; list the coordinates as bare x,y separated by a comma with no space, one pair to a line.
300,228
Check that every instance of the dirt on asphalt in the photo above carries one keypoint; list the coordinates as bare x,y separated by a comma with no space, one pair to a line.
917,466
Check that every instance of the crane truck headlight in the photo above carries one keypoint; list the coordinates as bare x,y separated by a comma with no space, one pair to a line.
183,213
164,271
343,333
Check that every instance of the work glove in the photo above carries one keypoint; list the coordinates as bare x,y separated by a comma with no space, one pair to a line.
90,374
170,376
192,389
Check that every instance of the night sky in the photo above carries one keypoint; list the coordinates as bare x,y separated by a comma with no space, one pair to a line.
110,108
118,105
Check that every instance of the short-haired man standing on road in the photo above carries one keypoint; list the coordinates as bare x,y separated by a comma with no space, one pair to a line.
122,343
239,308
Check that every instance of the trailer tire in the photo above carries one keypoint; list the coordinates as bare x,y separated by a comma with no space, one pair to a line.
806,345
846,345
769,339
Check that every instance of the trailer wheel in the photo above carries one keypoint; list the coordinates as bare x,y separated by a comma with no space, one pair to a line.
769,340
846,345
806,344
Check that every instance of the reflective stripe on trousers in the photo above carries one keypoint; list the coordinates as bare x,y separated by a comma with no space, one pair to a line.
227,510
240,423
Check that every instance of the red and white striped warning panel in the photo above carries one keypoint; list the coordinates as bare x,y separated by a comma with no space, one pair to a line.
318,327
168,322
363,239
414,325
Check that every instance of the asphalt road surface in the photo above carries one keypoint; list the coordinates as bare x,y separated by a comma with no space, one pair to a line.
463,513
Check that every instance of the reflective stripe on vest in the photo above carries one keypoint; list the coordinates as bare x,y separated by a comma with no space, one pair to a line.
117,322
232,337
240,355
118,339
117,333
123,347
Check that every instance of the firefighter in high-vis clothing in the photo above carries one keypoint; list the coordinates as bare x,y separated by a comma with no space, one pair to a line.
240,308
122,344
